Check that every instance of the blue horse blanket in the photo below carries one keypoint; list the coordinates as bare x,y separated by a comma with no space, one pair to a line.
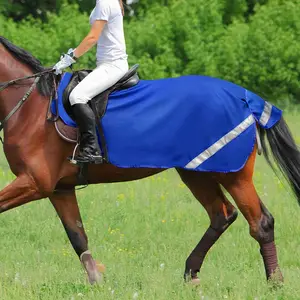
193,122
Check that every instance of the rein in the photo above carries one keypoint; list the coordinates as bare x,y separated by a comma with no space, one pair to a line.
4,85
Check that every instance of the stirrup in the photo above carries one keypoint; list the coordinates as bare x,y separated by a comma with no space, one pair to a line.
89,159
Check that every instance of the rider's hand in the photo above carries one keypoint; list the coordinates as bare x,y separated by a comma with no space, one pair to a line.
65,61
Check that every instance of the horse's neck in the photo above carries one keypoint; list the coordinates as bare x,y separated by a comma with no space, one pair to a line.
10,67
30,112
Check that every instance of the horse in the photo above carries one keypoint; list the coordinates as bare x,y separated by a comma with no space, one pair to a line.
37,157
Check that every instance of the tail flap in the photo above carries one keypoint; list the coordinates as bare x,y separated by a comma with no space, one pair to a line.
266,114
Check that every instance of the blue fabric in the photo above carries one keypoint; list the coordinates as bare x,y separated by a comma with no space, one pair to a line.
168,122
257,104
60,91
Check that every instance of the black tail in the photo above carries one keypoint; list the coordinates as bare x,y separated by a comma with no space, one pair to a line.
285,153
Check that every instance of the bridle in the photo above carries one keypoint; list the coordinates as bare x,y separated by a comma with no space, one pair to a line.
4,85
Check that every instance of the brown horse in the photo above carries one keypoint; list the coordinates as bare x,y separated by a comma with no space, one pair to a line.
37,156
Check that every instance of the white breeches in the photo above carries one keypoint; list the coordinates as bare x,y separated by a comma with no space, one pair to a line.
104,76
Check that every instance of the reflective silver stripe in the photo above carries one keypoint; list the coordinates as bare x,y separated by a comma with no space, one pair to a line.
265,117
222,142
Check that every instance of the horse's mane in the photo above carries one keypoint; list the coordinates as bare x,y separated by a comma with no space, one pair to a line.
45,85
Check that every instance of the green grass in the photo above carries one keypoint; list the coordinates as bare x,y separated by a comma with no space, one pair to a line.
143,231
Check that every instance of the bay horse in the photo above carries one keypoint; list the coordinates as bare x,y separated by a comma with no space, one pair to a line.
37,157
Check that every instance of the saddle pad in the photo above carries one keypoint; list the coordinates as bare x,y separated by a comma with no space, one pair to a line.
193,122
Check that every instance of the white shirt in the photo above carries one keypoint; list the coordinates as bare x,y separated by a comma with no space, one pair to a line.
111,44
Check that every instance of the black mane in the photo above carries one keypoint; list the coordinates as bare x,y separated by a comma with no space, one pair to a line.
45,85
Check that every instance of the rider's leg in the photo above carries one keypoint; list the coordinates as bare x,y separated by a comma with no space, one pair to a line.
103,77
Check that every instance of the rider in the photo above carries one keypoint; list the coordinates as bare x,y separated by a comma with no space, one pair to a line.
107,31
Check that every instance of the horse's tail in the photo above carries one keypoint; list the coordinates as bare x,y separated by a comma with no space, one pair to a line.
284,151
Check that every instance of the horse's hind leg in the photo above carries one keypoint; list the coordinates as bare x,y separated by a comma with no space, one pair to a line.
66,206
261,222
221,213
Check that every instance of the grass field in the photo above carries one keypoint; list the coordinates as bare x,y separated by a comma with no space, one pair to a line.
143,231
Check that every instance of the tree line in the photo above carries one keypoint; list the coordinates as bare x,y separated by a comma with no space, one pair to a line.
20,9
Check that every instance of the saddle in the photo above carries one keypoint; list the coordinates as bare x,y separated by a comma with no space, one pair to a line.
98,104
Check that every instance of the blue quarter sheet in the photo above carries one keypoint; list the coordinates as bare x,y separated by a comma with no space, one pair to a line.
193,122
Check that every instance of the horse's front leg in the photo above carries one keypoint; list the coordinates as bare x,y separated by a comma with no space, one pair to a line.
22,190
66,206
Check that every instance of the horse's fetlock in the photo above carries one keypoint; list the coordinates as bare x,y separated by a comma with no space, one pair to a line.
266,228
267,222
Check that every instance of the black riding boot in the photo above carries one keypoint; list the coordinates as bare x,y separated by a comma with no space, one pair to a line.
89,150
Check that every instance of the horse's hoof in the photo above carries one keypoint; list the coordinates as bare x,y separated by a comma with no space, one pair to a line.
276,279
101,267
95,278
195,282
93,268
192,280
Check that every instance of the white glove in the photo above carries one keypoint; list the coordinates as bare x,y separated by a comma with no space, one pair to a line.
65,61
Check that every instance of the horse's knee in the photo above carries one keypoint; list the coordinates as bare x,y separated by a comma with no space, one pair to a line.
263,230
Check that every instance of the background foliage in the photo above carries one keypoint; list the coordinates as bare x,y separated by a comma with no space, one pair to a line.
254,43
